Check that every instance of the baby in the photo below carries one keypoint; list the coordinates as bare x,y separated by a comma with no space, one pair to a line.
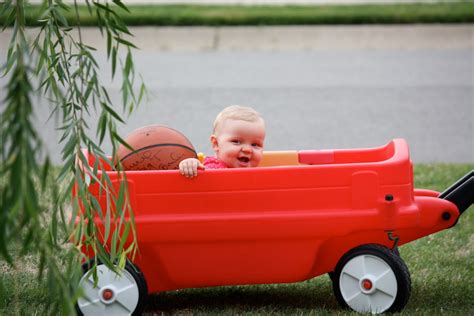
237,140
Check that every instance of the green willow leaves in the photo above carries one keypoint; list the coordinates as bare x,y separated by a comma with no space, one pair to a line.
54,62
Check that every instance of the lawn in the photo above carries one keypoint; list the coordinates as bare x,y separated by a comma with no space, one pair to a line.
221,15
441,267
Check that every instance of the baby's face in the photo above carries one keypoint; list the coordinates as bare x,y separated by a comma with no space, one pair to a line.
239,144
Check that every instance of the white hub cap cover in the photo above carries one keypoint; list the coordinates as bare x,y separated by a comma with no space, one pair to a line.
114,294
368,284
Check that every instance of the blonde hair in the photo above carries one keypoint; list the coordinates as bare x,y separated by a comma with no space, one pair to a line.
236,112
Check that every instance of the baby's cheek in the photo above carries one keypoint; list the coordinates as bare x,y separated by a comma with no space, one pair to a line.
256,160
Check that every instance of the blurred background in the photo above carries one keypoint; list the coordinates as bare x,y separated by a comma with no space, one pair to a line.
318,85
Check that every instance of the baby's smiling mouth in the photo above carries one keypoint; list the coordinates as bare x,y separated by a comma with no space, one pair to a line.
243,159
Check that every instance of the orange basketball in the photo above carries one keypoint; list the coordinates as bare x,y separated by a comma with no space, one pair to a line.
155,147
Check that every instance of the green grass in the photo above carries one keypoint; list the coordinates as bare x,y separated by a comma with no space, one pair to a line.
197,15
23,294
441,267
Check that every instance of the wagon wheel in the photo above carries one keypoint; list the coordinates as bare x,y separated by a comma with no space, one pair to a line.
372,278
122,294
332,274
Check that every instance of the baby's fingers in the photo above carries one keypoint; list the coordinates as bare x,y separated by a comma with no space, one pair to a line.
189,167
195,166
184,168
189,171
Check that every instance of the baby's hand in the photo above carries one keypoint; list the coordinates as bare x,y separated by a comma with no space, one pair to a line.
189,167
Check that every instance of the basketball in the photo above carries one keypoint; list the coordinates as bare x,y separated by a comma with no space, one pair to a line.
155,147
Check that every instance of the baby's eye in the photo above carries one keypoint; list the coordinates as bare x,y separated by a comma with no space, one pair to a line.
256,145
235,142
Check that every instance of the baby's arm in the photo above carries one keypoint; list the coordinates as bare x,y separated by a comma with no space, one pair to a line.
189,167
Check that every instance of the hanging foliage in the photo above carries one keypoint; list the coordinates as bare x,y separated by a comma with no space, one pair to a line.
54,62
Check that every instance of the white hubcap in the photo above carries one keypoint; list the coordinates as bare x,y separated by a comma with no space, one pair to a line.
368,284
114,294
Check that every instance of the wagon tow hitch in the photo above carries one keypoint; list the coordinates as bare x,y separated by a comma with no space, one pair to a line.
393,238
461,192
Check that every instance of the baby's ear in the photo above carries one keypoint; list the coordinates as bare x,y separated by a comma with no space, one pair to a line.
215,145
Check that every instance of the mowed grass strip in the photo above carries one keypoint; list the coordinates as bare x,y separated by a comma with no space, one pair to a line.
441,267
234,15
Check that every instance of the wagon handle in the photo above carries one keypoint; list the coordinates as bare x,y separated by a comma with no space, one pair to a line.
461,192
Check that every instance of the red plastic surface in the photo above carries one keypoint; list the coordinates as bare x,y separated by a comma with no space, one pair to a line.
276,224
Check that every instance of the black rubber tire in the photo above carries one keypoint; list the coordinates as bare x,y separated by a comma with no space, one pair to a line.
137,276
396,251
395,262
332,275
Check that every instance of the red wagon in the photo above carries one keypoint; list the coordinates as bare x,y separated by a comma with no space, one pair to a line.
299,215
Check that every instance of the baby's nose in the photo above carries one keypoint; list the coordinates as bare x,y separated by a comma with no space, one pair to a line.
246,148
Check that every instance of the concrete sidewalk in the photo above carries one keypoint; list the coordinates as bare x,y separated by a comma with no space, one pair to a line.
301,38
289,38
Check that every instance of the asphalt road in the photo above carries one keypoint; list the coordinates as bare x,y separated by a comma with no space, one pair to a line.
317,87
